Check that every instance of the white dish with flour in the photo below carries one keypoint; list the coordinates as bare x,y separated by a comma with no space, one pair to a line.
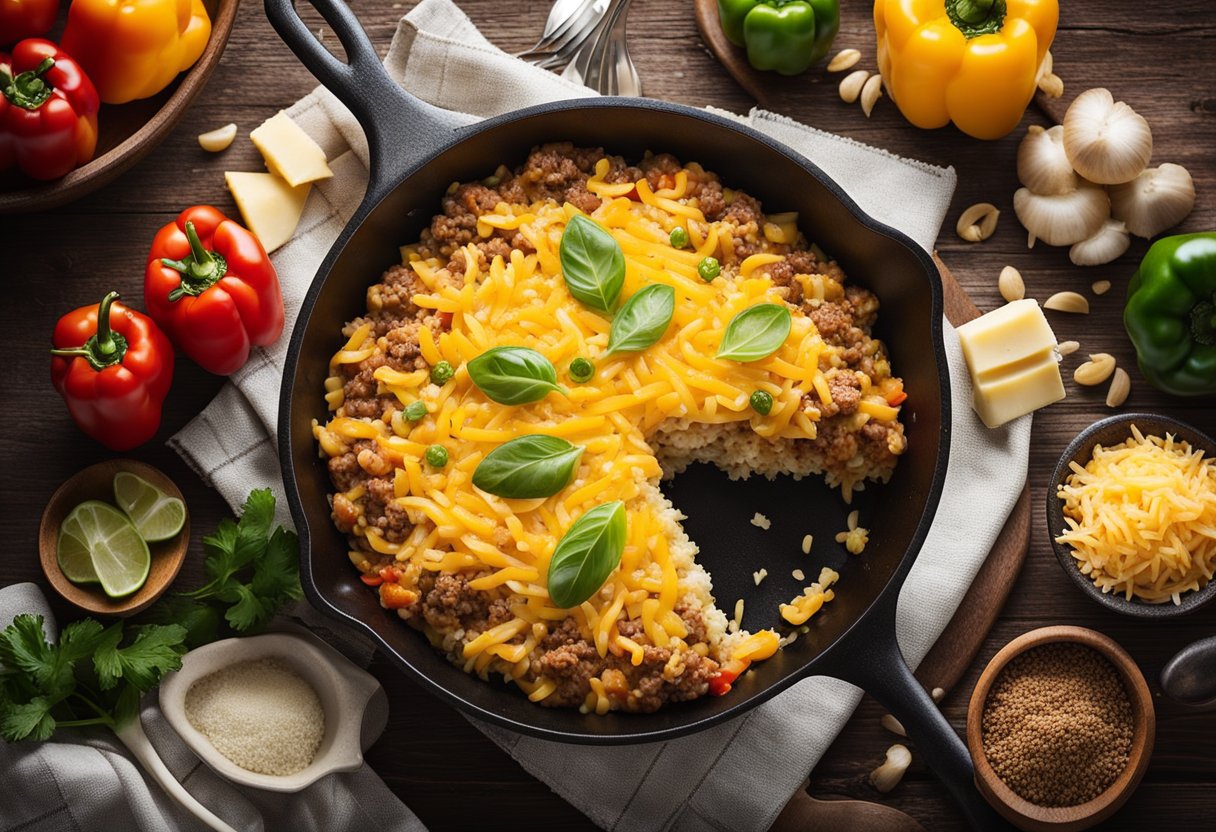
290,671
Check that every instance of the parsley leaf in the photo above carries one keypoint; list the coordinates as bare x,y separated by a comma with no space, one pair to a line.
44,685
23,646
201,620
156,650
276,574
249,612
31,720
252,570
221,551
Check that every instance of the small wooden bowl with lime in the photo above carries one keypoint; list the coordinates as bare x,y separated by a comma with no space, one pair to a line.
114,536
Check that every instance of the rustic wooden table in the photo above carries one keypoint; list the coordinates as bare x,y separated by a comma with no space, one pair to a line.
1159,59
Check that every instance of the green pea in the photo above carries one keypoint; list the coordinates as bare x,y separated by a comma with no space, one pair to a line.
442,372
437,456
761,402
679,237
415,411
581,370
709,268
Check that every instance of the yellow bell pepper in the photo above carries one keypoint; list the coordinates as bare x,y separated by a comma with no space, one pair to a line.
134,48
973,62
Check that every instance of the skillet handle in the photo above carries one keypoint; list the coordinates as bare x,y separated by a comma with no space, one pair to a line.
401,130
875,664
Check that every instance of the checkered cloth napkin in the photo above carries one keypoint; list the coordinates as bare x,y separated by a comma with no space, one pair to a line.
736,776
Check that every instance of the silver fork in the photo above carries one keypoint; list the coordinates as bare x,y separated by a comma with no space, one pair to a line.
569,23
603,61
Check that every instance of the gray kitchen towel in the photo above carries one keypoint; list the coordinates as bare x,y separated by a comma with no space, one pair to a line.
736,776
88,782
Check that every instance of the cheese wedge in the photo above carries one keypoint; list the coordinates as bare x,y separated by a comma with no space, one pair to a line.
289,151
1011,353
270,207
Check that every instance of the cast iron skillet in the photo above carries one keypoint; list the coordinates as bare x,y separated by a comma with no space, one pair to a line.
414,156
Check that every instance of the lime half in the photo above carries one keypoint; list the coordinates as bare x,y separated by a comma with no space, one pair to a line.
156,515
98,543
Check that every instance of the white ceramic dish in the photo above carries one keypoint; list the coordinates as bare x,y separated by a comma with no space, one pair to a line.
343,688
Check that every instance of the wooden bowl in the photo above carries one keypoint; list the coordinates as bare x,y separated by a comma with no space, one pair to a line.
97,483
1017,810
127,131
1107,432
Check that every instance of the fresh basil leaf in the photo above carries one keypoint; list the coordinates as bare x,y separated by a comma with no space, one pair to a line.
528,466
643,319
593,264
586,555
756,332
514,375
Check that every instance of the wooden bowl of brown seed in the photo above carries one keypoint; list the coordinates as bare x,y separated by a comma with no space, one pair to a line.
1060,728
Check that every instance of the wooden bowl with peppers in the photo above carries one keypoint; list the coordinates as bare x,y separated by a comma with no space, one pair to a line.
96,100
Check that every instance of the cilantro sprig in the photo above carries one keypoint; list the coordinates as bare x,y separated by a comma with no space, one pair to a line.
253,570
94,675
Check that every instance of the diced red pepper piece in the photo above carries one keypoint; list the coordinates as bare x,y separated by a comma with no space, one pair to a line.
720,685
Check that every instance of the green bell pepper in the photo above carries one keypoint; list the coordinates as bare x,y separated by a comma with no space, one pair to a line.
782,35
1171,314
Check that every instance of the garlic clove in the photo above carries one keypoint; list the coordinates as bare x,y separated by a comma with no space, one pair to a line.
1106,140
1062,219
1043,166
1108,244
1155,200
887,776
217,140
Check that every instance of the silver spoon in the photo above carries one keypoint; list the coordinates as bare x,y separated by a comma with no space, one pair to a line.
603,62
1190,677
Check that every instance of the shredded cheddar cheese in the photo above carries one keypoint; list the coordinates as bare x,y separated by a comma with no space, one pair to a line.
521,300
1141,518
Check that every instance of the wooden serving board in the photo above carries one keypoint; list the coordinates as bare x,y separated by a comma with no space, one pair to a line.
954,650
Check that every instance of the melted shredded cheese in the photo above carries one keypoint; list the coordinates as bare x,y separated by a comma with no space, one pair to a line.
1141,518
812,598
523,301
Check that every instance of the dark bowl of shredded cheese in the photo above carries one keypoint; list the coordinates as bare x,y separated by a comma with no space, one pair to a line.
1060,728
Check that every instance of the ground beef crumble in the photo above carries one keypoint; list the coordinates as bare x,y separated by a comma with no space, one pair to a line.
447,603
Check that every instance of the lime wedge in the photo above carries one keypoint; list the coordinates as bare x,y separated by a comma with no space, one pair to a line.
118,556
72,551
156,515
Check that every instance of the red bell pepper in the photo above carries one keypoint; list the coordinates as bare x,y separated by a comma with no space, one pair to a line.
48,111
113,367
212,287
26,18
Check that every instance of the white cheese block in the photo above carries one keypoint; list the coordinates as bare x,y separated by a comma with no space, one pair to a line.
270,207
289,151
1011,353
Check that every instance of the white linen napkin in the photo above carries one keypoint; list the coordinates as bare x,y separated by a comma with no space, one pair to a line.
739,775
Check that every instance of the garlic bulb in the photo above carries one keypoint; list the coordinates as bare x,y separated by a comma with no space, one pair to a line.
1107,141
1043,165
1062,219
1108,244
1155,200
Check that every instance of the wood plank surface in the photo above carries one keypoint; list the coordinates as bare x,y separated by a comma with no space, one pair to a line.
1157,57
